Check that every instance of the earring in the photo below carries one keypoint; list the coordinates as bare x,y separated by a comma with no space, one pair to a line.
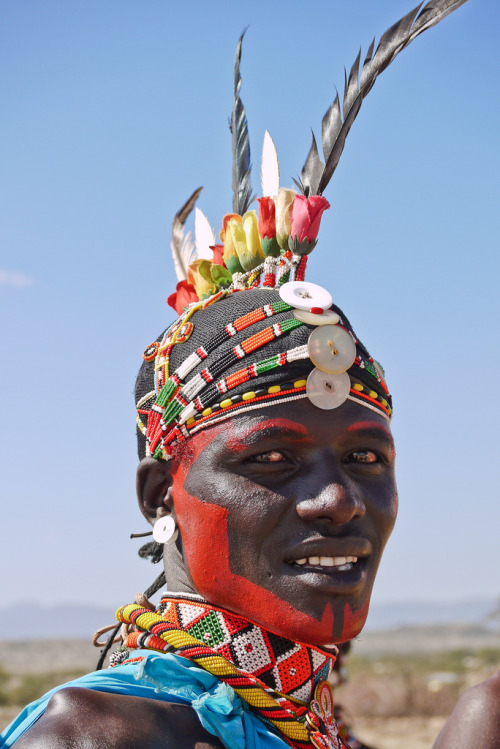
165,530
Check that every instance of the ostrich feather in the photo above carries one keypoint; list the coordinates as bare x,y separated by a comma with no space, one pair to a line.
270,168
182,245
241,143
204,235
338,120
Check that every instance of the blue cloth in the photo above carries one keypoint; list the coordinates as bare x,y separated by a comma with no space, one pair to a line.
171,679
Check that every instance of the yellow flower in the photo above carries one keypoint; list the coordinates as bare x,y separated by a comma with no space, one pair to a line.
284,203
199,275
250,253
230,255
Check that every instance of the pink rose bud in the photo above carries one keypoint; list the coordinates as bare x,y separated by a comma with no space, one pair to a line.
306,218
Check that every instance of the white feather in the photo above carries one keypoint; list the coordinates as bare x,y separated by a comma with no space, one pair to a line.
204,235
187,256
183,252
270,170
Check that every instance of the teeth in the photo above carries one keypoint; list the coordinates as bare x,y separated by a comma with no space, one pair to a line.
341,563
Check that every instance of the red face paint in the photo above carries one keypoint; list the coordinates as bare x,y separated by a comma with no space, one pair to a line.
360,426
207,557
237,442
235,525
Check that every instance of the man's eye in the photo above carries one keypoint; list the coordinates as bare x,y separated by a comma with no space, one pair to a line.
271,456
363,456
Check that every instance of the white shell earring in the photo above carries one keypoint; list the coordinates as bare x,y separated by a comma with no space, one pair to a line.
165,530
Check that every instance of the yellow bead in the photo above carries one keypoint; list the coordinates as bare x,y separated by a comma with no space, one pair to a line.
372,394
274,389
384,402
299,383
190,421
248,396
225,403
358,387
206,412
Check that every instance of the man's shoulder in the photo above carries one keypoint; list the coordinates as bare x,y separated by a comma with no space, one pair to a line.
475,721
77,717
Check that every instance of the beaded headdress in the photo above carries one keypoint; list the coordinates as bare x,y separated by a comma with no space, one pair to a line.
251,331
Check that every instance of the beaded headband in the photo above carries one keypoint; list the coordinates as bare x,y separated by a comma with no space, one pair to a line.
245,310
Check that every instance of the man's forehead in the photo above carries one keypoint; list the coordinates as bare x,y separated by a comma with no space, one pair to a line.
303,422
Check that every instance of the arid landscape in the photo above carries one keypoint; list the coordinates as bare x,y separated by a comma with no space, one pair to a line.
402,683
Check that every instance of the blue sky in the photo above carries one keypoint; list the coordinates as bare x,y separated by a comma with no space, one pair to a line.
112,114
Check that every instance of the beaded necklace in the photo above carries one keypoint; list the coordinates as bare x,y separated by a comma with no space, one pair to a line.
284,681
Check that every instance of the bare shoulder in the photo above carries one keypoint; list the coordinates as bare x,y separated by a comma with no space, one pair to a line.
475,721
79,718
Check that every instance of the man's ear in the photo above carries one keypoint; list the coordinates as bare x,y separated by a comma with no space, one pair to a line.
154,488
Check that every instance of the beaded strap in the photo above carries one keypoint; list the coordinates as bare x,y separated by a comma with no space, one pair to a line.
238,378
181,401
288,718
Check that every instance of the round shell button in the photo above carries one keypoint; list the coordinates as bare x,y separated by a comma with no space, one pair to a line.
304,295
331,349
164,529
327,318
327,391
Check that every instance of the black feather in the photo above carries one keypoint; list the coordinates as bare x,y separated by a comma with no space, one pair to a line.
336,125
241,143
311,171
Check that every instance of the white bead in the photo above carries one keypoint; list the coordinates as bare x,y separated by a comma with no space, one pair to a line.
331,349
165,530
304,295
329,317
327,391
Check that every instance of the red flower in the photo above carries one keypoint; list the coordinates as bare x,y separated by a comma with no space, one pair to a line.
267,218
267,227
184,294
306,217
217,250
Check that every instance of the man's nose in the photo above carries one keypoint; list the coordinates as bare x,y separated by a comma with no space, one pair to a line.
335,500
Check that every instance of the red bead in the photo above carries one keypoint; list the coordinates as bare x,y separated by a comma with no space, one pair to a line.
317,310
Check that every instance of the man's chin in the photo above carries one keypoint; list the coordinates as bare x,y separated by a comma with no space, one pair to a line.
333,626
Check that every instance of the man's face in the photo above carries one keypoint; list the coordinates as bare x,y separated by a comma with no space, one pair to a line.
284,513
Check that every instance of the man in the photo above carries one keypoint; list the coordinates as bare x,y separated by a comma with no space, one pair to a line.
267,472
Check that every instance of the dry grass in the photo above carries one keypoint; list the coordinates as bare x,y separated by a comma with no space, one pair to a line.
399,733
393,701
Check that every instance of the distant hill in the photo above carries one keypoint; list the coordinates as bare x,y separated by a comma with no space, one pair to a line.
427,638
410,613
72,656
36,622
72,621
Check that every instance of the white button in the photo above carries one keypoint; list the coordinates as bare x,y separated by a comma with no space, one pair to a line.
327,391
331,349
327,318
304,295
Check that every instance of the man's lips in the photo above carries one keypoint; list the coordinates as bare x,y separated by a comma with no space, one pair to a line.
342,564
331,555
330,548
